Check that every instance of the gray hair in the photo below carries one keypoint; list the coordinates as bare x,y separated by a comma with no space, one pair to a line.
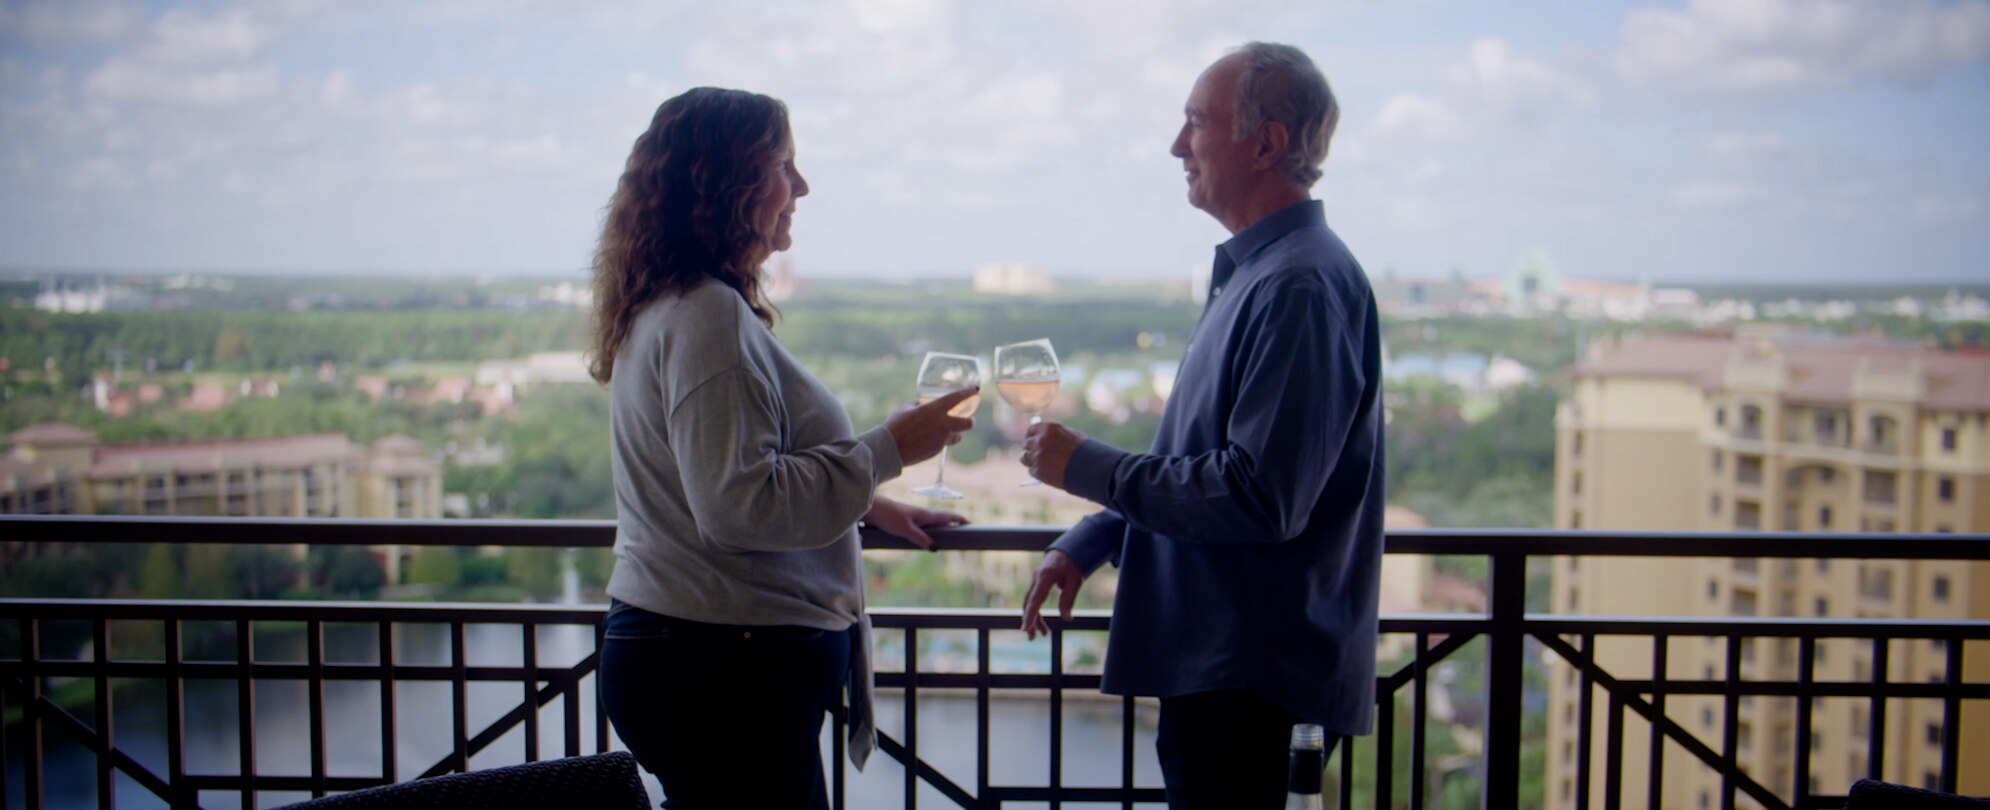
1280,83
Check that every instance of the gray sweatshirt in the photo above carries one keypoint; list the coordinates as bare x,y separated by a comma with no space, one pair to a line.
738,481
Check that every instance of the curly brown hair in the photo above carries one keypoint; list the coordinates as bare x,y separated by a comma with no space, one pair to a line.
683,211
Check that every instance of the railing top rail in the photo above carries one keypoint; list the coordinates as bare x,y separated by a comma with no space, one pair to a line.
601,534
304,610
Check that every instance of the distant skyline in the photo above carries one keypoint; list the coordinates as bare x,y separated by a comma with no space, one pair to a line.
1748,141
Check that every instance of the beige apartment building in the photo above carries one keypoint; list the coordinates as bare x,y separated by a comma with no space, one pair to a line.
55,468
1775,430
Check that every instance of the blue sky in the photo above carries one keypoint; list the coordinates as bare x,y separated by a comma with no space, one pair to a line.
1746,140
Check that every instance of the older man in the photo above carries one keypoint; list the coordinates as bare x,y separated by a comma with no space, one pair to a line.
1249,539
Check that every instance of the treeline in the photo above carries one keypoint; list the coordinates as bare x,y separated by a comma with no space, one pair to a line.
265,341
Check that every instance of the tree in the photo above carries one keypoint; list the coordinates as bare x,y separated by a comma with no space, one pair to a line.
160,578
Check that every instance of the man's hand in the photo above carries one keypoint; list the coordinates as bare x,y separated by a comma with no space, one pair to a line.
921,430
1058,571
1047,449
910,522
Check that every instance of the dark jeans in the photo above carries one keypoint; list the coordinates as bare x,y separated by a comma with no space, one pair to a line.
1225,750
724,715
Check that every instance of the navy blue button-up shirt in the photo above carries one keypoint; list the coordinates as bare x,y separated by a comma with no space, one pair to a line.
1249,539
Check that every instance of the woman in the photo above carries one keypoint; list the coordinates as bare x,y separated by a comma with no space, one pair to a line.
738,590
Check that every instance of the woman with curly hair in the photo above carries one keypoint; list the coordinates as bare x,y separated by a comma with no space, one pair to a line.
737,614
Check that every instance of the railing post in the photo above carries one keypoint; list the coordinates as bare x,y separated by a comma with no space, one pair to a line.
1506,639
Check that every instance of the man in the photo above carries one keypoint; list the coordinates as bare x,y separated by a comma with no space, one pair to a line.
1249,540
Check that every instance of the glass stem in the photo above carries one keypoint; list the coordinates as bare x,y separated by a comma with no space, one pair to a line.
940,479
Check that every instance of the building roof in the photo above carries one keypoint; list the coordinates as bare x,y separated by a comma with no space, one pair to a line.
52,433
279,453
402,466
1819,370
398,444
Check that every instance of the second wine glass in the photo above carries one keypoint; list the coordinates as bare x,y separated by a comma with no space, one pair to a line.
1026,375
942,374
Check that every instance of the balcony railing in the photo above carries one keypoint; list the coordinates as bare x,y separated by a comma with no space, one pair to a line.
541,684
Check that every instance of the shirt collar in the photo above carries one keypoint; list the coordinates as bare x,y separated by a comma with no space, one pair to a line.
1267,230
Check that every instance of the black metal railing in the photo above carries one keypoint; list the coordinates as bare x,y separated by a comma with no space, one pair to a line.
1507,630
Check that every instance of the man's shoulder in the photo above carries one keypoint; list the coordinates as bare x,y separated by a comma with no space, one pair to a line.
1313,259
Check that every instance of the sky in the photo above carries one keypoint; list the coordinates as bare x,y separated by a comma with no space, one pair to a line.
1710,140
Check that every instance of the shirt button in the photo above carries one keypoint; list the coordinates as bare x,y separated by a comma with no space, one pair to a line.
1215,292
748,634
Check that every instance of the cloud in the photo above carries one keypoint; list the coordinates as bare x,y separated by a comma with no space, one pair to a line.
56,22
1744,146
1491,89
128,80
190,60
1711,194
186,38
1743,46
1948,207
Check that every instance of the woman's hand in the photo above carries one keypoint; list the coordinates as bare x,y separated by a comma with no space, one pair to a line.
921,430
910,522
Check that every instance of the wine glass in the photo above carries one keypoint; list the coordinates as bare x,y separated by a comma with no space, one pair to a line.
1026,377
942,374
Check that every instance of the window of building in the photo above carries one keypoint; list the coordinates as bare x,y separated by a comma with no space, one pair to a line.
1824,565
1718,459
1714,504
1827,474
1575,483
1707,714
1948,440
1945,489
1939,588
1879,487
1823,607
1944,528
1826,426
1713,589
1706,800
1575,522
1575,444
1823,522
1931,780
1881,429
1934,733
1751,421
1748,469
1720,417
1568,791
1816,742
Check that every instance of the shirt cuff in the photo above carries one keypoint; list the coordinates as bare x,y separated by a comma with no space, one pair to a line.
1089,474
885,461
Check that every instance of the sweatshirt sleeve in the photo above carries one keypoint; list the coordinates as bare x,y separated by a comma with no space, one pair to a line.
748,491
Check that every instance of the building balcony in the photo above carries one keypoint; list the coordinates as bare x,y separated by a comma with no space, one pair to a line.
1880,447
378,692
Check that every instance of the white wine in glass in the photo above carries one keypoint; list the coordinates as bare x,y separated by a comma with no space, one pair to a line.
1026,375
942,374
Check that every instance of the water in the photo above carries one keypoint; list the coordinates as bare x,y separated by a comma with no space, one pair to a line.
1019,730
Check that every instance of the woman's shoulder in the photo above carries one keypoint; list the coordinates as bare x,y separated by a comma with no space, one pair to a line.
707,309
701,330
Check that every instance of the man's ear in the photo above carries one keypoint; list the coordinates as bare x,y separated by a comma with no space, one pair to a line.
1271,141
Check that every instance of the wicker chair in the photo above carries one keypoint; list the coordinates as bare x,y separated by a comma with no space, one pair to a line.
599,780
1868,794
